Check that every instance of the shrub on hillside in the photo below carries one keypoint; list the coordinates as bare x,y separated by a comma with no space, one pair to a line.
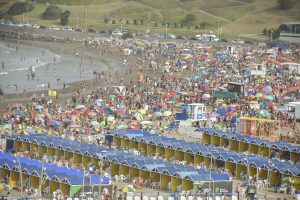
19,8
52,13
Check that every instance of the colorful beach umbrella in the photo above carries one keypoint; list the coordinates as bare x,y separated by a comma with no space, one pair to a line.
22,132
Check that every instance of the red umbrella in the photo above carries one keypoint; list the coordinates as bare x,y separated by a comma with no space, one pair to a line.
75,112
85,113
121,112
163,105
74,126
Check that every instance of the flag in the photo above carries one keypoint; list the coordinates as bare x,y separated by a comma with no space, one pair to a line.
51,93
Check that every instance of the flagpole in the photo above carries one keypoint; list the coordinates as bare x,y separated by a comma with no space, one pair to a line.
83,184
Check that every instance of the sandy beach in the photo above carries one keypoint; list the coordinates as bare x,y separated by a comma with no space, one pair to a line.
53,66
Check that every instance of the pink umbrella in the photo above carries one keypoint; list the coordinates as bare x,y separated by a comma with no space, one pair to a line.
74,126
207,96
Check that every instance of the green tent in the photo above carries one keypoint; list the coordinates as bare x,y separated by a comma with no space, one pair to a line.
226,95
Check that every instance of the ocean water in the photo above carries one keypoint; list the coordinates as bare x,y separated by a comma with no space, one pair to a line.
15,61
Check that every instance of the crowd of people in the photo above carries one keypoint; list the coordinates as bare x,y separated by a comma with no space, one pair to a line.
158,80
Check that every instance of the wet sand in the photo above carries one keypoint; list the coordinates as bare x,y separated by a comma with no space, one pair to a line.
53,65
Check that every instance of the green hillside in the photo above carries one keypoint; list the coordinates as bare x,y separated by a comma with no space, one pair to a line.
234,16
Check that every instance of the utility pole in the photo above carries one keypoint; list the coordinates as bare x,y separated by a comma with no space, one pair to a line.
219,28
166,30
86,18
77,22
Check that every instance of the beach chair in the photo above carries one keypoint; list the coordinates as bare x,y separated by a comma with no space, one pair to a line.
137,198
145,198
218,198
117,178
170,198
160,198
234,198
190,198
129,198
199,198
152,198
182,198
153,185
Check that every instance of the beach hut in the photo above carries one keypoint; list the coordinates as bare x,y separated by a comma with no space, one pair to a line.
34,179
170,152
54,183
241,168
125,142
124,169
17,143
77,156
42,149
243,144
264,149
142,146
26,144
231,165
189,156
14,178
234,143
176,182
179,153
199,158
117,139
216,138
86,158
51,149
254,147
151,148
65,187
206,137
188,182
166,180
155,175
59,151
160,149
144,173
114,167
133,143
133,171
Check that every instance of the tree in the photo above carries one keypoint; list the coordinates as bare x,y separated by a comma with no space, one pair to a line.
135,22
64,18
52,13
265,31
127,35
142,22
127,21
283,4
196,27
113,21
203,25
188,19
106,20
156,24
175,24
19,8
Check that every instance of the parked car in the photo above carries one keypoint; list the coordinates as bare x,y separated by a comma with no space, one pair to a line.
42,27
67,28
54,28
171,36
78,30
181,37
35,26
116,33
92,30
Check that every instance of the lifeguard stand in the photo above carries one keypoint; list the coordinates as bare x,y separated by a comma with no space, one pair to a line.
196,111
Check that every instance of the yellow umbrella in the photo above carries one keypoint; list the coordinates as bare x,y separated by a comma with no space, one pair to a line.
127,189
22,132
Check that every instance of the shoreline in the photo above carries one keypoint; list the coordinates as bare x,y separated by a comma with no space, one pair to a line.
112,62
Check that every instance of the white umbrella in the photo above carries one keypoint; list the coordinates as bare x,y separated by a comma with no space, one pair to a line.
167,113
78,107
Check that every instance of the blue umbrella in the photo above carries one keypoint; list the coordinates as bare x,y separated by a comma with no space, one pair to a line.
221,111
55,123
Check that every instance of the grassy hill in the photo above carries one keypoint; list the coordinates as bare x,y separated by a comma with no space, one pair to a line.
234,16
